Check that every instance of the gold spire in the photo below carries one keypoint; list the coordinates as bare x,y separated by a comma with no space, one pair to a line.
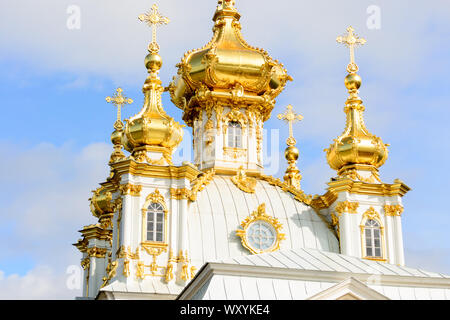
351,41
292,176
356,153
152,131
119,101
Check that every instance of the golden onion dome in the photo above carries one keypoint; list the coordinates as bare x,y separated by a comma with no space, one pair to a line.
356,146
152,127
227,63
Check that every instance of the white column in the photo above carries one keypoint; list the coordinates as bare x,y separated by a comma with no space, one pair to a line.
389,239
126,221
400,254
182,224
345,234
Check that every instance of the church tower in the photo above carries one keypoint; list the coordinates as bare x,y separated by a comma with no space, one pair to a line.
227,90
365,211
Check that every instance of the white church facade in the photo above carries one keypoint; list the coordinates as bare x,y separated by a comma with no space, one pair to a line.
219,228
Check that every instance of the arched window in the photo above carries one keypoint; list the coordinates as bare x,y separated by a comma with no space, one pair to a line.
372,235
234,134
155,222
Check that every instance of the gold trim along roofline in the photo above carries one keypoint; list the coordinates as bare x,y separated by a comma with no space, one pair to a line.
130,166
398,188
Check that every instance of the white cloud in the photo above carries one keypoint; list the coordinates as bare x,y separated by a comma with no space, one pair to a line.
46,207
42,282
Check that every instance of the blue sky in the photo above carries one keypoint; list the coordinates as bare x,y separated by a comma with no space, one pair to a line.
55,137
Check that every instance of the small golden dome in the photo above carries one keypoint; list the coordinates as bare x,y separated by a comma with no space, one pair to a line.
152,127
356,146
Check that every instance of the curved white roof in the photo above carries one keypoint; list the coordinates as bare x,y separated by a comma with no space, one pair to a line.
221,207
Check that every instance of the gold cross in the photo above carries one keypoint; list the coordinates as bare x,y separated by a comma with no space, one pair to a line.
154,19
290,117
351,41
118,100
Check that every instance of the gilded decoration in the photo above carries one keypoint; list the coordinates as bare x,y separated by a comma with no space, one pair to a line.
235,153
246,184
157,197
235,116
260,215
371,214
131,189
154,251
355,145
335,223
96,252
200,183
127,253
165,172
393,210
297,193
351,172
180,194
101,202
227,70
346,206
126,268
111,269
292,176
336,186
119,101
154,197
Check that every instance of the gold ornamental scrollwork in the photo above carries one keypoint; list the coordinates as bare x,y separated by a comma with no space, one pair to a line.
393,210
246,184
261,215
346,206
110,271
235,153
180,194
130,189
371,214
97,252
200,183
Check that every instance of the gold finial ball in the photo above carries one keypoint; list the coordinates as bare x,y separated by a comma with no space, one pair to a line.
291,153
353,81
116,137
153,62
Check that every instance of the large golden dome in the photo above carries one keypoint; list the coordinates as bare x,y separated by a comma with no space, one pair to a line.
227,66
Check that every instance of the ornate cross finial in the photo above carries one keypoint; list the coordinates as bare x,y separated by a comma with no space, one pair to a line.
154,19
119,101
290,117
351,40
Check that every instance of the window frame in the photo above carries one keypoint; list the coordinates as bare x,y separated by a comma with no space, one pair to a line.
154,198
371,214
232,132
